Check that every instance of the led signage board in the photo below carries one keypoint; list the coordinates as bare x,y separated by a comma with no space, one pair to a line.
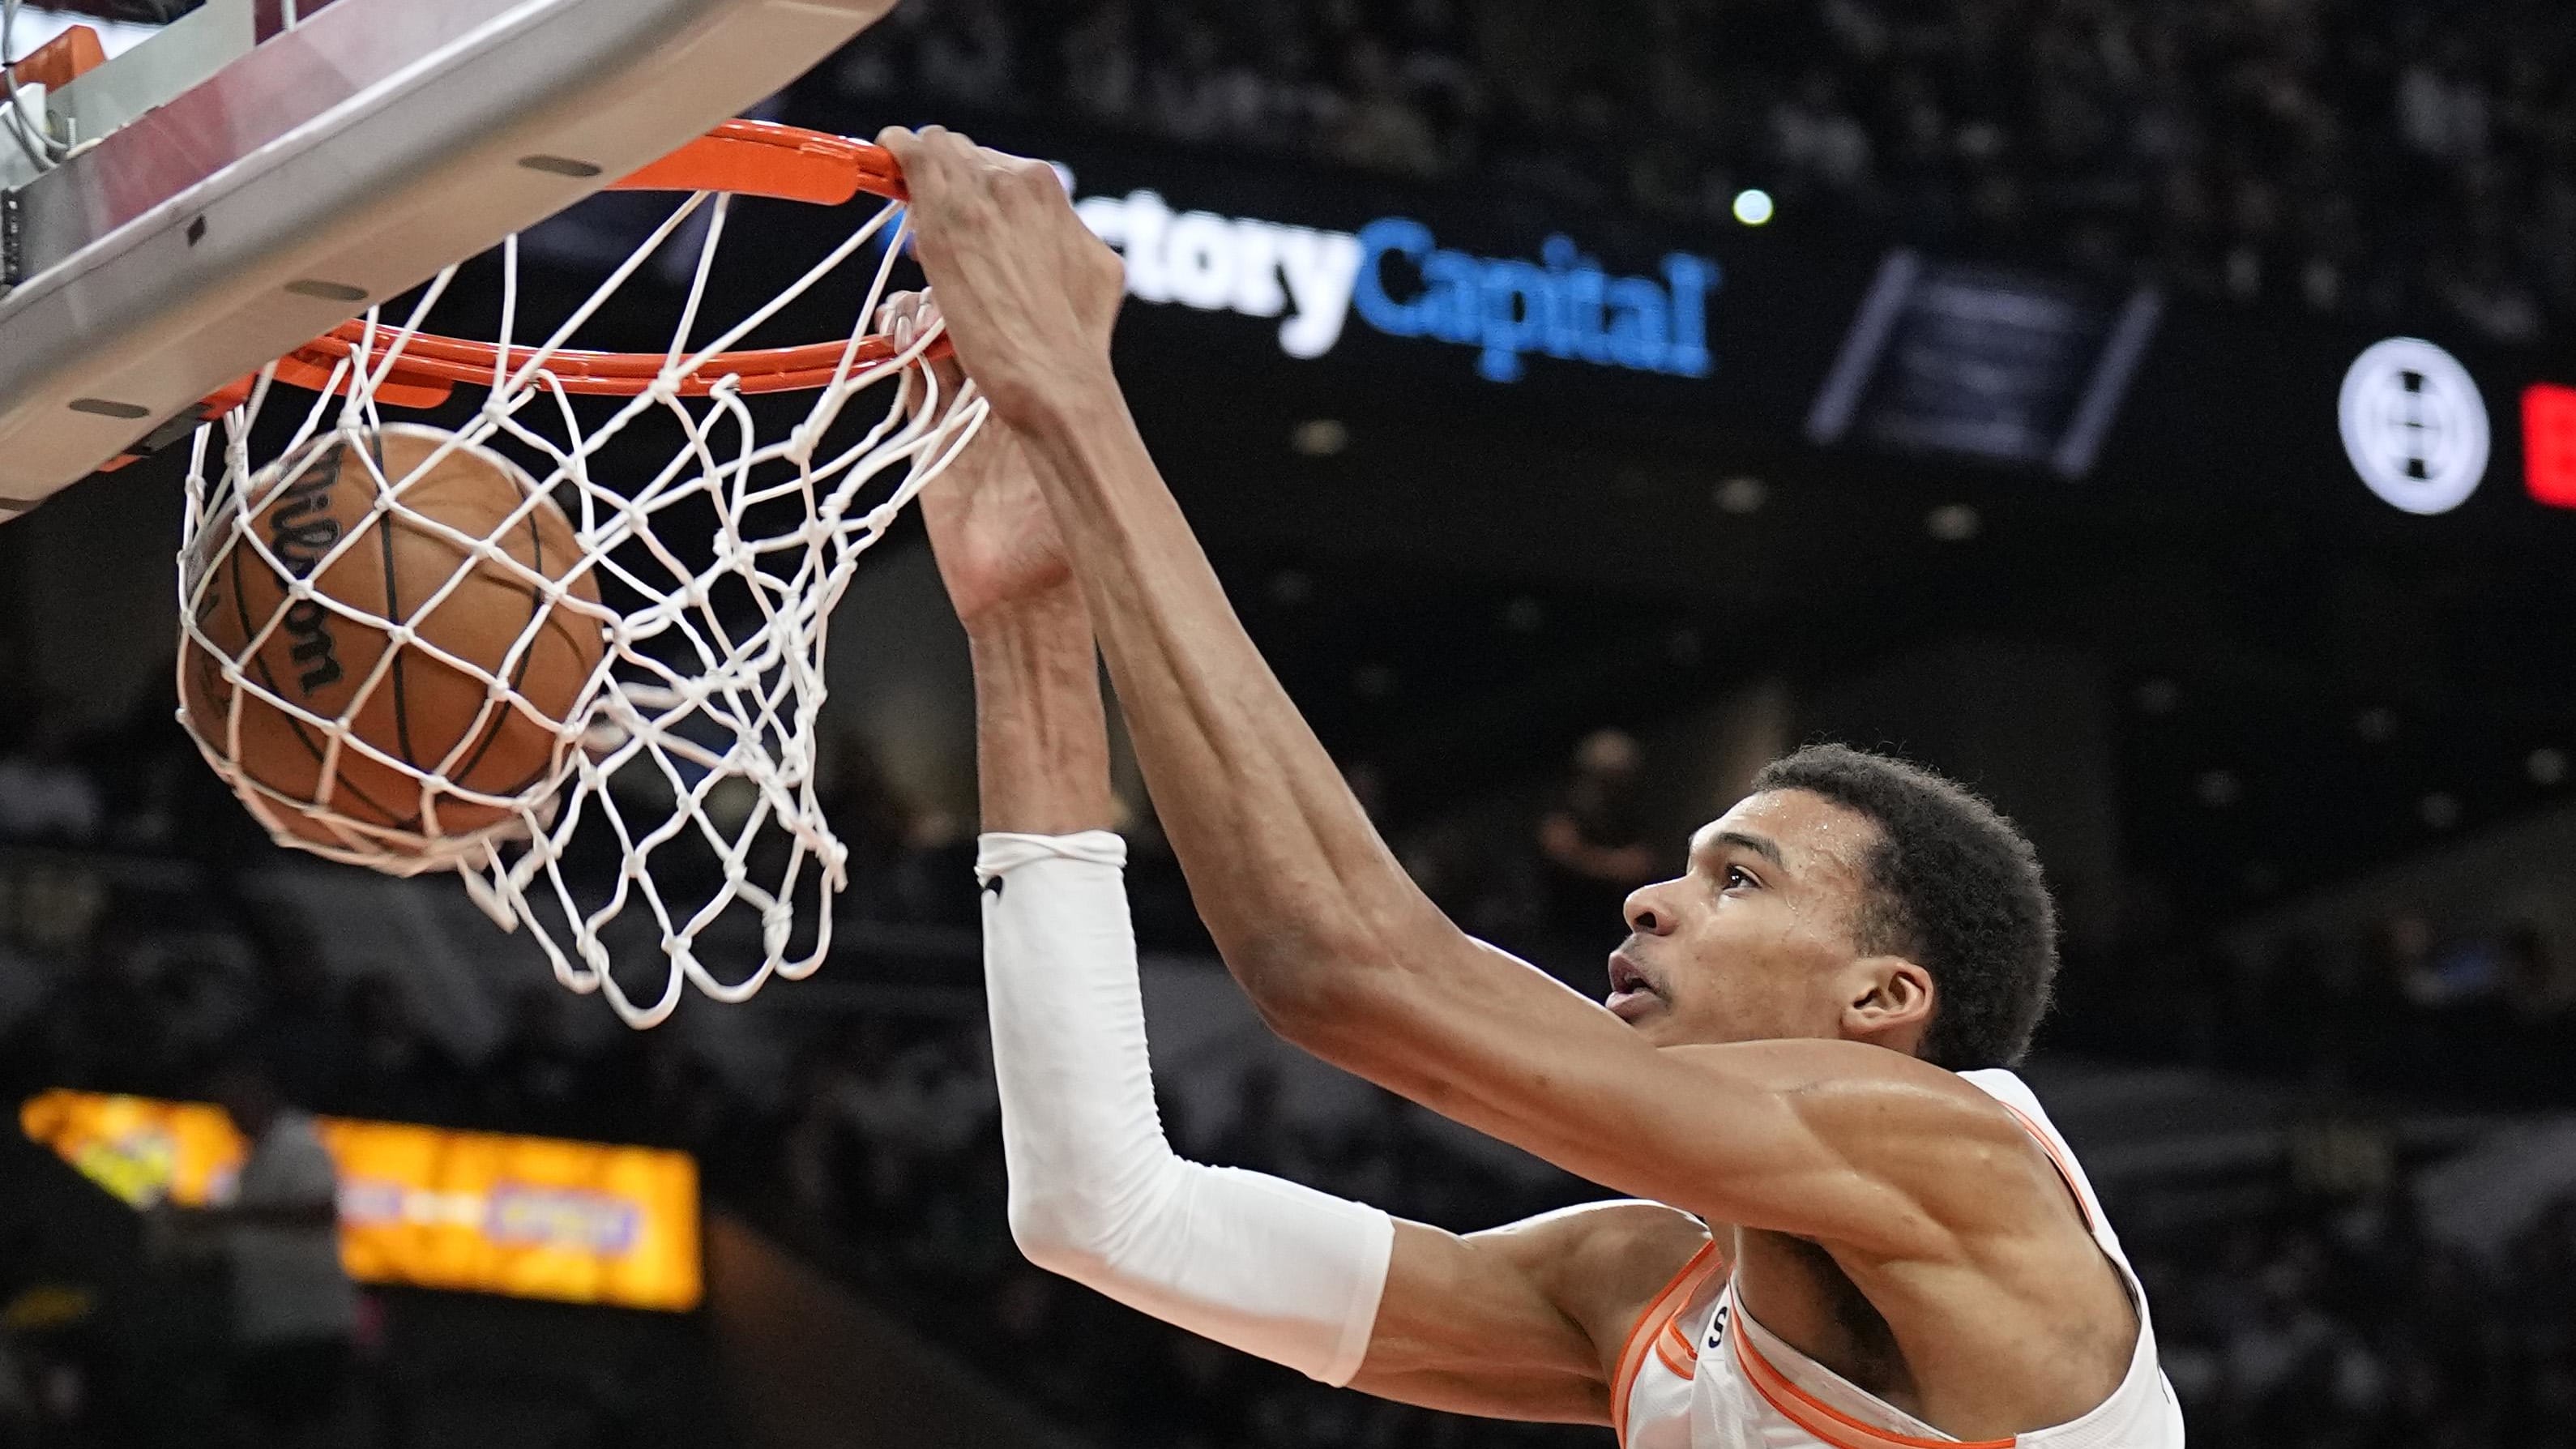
1287,293
528,1217
2415,426
1985,363
2549,444
1394,274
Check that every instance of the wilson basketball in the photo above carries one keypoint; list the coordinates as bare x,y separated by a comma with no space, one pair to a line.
445,719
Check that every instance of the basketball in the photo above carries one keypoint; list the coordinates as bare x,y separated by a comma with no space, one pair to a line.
443,722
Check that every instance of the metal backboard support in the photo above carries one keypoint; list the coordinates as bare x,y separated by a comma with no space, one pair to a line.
335,164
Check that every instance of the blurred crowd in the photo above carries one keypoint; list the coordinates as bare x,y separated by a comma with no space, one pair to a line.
2377,158
2475,1010
2318,1315
2344,1325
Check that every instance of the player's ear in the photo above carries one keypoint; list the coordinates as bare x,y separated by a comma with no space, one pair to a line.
1890,996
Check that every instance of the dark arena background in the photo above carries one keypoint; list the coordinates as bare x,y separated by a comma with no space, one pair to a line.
2159,414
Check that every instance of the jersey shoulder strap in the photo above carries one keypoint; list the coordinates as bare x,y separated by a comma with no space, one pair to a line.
1659,1333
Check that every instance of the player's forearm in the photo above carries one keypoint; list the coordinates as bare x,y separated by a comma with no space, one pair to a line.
1096,1192
1041,737
1287,871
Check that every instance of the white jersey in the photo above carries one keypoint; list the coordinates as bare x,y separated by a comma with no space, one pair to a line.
1698,1373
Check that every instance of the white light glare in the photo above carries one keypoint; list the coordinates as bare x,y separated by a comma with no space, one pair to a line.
1753,206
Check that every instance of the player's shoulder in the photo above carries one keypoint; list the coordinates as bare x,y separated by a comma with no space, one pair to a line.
1960,1148
1829,1076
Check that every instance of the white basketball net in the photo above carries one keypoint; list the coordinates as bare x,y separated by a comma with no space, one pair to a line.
695,739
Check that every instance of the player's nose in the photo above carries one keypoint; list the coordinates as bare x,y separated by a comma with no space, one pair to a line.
1644,917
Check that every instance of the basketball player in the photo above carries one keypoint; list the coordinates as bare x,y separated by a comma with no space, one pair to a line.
1853,1225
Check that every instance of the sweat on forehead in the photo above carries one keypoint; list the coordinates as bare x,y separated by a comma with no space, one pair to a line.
1793,827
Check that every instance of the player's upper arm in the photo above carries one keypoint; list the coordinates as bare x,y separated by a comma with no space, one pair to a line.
1840,1142
1522,1322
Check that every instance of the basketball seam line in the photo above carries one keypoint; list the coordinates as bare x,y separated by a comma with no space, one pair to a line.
268,681
393,606
536,606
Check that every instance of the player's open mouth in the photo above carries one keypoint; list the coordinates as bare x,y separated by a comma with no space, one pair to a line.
1631,994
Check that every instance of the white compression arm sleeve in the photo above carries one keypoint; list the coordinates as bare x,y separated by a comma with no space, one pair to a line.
1275,1269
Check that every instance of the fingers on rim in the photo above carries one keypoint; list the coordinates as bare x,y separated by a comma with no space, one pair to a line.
905,314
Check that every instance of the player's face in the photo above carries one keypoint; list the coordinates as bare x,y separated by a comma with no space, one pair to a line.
1754,941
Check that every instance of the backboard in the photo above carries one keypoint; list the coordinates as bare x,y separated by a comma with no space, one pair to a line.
264,170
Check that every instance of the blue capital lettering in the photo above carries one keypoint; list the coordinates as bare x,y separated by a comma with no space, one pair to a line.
1692,279
1516,304
1637,323
1563,305
1574,319
1401,237
1453,301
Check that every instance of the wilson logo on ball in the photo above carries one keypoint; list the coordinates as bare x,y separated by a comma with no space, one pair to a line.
301,533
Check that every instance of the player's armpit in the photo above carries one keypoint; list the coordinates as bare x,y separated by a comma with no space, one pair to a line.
1526,1321
1843,1143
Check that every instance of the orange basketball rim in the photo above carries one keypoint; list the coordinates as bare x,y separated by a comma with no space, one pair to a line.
744,158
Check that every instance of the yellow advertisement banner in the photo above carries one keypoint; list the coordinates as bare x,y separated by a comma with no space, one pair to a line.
531,1217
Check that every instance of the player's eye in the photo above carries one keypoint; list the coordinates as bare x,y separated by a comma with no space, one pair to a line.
1737,875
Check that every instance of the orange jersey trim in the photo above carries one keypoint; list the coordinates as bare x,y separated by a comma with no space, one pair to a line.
1823,1420
1648,1331
1674,1345
2056,1159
